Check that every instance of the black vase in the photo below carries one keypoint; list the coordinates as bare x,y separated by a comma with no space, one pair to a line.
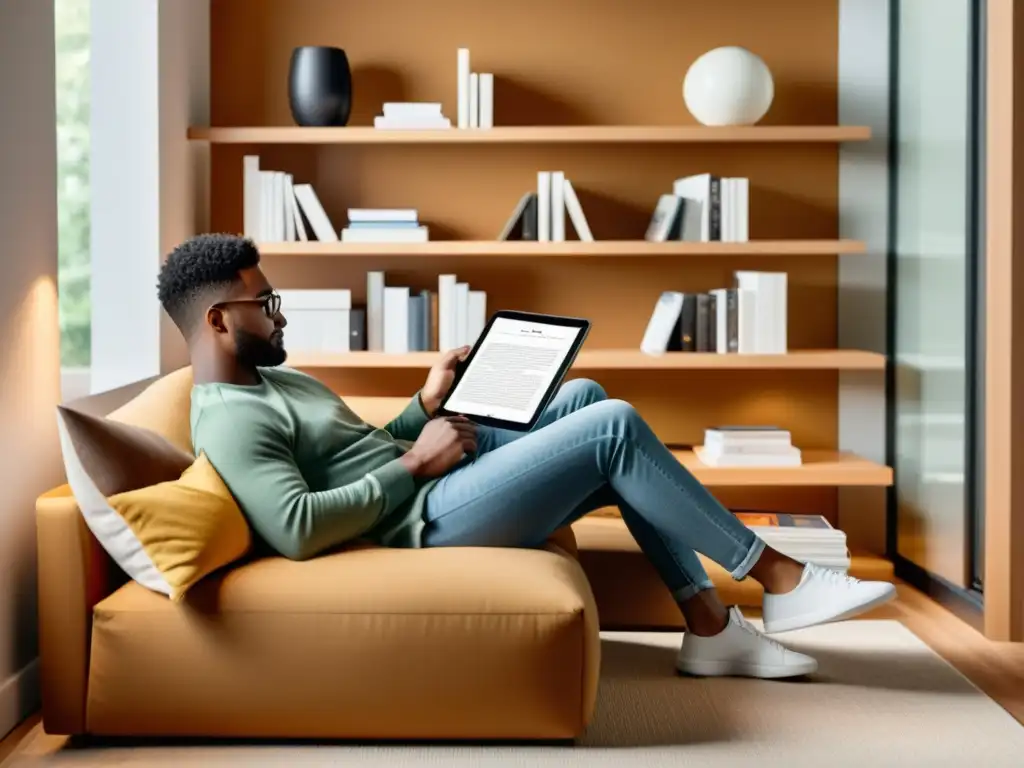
319,86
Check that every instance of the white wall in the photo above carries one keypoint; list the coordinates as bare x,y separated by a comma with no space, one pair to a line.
30,362
148,183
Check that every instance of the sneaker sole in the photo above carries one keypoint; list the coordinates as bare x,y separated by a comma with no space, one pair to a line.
734,669
825,616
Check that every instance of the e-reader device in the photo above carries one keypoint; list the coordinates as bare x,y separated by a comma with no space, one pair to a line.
514,369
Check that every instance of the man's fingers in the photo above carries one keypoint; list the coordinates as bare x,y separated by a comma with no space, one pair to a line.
450,357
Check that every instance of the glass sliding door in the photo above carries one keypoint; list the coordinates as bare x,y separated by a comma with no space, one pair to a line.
934,276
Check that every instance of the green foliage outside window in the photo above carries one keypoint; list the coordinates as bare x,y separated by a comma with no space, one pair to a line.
73,255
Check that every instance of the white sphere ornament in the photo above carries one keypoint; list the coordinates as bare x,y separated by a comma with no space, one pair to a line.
728,86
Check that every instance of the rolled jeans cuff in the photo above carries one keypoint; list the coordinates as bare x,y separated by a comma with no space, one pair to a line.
683,594
756,548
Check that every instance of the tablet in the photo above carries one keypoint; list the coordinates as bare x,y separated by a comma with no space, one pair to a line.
514,369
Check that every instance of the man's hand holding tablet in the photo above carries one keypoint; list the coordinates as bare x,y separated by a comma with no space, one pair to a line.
514,369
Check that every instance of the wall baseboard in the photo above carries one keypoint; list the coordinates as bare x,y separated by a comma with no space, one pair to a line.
19,697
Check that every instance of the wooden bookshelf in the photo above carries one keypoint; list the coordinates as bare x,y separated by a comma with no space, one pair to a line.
576,248
824,468
540,134
624,360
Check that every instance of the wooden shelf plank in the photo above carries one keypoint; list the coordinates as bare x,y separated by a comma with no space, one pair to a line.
573,248
819,468
622,359
541,134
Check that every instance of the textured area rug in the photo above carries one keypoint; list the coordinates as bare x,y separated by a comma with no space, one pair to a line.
881,697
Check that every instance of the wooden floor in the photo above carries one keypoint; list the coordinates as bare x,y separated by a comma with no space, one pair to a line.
997,669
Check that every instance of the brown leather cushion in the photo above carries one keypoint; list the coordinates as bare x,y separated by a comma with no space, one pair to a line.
367,643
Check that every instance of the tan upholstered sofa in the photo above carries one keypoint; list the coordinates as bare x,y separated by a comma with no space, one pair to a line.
366,643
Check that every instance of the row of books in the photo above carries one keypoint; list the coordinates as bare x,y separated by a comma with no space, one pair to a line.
806,538
475,93
748,446
541,215
395,319
747,318
703,208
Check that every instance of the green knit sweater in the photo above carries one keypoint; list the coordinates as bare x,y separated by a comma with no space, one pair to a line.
307,472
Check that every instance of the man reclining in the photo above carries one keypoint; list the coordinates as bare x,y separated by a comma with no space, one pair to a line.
309,475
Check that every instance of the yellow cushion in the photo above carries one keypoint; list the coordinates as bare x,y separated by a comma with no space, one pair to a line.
189,527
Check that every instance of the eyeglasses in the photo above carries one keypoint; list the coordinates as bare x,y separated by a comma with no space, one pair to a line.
271,303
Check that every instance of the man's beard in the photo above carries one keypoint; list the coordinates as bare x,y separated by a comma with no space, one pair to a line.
256,352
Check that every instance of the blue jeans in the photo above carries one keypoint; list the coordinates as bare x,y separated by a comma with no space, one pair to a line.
588,452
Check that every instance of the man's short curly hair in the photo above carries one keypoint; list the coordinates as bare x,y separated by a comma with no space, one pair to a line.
199,270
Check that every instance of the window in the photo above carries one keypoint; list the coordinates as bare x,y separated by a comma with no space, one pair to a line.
71,23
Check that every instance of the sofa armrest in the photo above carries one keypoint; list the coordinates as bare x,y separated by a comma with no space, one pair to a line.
74,573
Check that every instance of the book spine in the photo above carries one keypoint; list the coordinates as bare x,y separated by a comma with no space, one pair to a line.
446,302
732,319
701,328
711,328
474,100
688,323
558,206
462,68
715,212
357,329
375,311
530,219
486,100
544,206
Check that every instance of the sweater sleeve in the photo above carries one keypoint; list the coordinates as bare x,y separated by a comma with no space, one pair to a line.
254,458
410,422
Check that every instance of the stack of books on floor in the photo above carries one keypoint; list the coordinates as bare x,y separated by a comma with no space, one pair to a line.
748,446
747,318
384,225
703,208
807,538
541,215
412,115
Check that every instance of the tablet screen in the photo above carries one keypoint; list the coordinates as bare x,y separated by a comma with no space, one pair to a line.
512,369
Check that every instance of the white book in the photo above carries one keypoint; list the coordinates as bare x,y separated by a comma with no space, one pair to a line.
743,210
289,208
711,458
266,216
770,309
318,320
385,235
558,206
251,196
726,204
544,206
315,213
575,211
411,124
396,320
375,311
662,323
696,190
486,100
477,315
404,110
446,328
461,314
383,214
474,100
746,321
300,224
462,67
278,202
721,320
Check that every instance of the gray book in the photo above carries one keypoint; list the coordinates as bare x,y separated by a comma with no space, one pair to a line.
416,324
425,322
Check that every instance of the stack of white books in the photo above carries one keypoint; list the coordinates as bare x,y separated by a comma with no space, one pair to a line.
461,313
807,538
412,115
384,225
318,319
753,446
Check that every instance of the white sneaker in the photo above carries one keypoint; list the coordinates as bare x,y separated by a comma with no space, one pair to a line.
823,595
740,650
